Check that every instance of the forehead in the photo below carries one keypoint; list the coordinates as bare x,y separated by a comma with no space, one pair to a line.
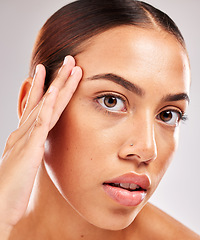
144,55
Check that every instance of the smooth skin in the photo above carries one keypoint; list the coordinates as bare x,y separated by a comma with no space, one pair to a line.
90,143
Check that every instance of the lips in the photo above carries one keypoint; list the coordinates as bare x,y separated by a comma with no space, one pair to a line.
129,189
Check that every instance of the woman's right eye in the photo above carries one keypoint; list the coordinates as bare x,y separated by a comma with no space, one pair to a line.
112,103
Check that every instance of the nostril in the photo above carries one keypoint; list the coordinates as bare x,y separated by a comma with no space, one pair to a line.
130,155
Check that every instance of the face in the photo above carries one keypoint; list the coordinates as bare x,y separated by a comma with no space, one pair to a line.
116,138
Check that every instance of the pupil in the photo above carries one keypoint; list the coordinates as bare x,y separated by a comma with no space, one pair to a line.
166,116
110,101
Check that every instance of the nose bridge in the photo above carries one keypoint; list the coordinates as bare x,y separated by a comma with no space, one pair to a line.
146,127
142,137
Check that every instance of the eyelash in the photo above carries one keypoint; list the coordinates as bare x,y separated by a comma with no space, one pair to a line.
182,116
111,95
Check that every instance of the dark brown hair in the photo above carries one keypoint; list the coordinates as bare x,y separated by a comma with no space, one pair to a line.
66,30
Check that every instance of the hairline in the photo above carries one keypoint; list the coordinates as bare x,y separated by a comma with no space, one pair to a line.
81,47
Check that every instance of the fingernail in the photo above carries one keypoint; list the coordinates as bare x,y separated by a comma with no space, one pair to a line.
73,71
36,69
65,61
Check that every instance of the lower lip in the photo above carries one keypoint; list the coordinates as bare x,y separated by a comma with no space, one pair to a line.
123,196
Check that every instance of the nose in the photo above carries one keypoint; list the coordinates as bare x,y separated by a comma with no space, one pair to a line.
140,145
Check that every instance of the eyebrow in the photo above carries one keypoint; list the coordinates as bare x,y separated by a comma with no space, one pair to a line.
120,81
136,89
176,97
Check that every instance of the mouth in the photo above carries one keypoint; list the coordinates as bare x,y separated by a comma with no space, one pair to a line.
129,189
127,186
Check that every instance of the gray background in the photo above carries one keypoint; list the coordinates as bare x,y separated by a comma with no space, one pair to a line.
179,191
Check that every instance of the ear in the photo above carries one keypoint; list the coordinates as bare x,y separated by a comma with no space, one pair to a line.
23,95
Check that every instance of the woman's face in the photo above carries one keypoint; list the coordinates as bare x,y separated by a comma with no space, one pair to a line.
120,129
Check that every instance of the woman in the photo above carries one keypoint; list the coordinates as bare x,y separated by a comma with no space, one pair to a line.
97,131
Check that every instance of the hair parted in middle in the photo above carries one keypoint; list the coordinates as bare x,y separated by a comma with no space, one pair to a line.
66,30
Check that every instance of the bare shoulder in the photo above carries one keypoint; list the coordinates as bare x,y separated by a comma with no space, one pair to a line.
155,224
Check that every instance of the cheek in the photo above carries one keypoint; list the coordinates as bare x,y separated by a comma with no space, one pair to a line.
76,152
166,145
79,164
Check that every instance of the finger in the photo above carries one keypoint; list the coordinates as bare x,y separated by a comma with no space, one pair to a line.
64,72
66,94
25,127
67,81
41,126
35,93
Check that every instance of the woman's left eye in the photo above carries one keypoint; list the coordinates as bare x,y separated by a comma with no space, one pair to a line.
112,103
170,117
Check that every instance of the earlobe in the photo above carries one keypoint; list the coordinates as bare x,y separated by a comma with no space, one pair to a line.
23,95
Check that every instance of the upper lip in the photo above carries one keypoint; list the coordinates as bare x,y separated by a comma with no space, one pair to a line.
141,180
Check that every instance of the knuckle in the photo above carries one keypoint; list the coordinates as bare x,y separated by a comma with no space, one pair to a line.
10,140
38,122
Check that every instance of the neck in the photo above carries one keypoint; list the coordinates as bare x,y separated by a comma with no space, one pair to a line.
50,215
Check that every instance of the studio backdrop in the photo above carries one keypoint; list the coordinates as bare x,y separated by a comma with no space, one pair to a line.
178,193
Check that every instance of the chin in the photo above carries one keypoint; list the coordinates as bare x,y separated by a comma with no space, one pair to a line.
116,224
117,220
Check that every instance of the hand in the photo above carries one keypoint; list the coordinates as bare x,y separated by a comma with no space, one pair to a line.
25,146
